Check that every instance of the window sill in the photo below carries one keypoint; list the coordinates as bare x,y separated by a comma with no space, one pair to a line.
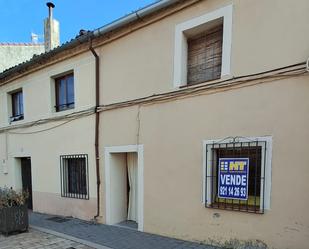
76,196
236,207
16,121
66,109
63,112
252,205
16,118
206,83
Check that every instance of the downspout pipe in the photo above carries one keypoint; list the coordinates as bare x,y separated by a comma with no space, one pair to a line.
97,123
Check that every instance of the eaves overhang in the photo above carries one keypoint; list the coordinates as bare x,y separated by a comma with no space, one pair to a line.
39,60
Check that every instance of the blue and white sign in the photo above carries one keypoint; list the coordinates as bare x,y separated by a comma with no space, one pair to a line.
233,178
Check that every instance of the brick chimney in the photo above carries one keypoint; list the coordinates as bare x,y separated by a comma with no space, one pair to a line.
51,30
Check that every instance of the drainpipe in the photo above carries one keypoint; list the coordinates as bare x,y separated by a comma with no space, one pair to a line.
97,123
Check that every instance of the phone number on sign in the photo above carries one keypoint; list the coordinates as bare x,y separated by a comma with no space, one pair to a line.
233,191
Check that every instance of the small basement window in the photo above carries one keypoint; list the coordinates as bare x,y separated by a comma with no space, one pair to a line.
64,87
74,176
237,175
17,106
205,56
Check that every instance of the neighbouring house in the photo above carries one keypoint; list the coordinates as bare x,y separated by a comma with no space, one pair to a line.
189,118
14,53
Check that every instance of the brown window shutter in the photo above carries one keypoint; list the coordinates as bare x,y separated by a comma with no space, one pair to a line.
205,56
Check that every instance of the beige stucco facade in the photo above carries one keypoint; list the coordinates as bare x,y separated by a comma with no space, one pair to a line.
265,35
47,142
12,54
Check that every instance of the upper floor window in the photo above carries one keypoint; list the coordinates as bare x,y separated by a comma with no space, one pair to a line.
203,48
64,87
17,106
205,56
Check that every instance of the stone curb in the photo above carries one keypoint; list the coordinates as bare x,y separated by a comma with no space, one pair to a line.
68,237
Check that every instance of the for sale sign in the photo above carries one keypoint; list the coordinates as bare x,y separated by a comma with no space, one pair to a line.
233,178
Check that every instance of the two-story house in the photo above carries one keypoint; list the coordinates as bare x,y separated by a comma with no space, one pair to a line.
187,117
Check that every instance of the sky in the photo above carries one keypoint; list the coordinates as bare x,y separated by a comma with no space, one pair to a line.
18,18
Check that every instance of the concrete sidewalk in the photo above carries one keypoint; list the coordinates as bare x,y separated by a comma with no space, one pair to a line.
109,236
35,239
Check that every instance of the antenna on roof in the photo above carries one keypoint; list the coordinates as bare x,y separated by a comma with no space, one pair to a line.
34,38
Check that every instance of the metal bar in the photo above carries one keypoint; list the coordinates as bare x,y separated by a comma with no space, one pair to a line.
87,177
75,190
61,177
265,150
81,177
78,177
213,196
66,176
249,156
255,175
76,170
241,148
69,177
206,176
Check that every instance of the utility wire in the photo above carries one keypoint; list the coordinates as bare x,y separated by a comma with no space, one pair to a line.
69,118
200,89
298,69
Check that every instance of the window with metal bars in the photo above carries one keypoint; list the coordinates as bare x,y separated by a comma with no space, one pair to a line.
255,153
64,87
205,56
74,176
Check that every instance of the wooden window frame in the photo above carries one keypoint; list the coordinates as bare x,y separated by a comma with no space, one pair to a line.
17,111
66,105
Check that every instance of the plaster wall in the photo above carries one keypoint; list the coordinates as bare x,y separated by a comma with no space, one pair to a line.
11,55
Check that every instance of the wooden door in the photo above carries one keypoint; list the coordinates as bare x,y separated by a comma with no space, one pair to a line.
27,179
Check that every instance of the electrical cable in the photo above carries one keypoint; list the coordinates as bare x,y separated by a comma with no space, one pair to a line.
298,69
193,90
71,117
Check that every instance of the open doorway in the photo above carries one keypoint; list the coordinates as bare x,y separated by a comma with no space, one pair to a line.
124,187
25,163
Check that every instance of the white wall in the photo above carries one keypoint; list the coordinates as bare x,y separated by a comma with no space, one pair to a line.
18,174
118,185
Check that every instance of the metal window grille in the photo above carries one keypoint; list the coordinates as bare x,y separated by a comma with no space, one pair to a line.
205,56
233,148
74,176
